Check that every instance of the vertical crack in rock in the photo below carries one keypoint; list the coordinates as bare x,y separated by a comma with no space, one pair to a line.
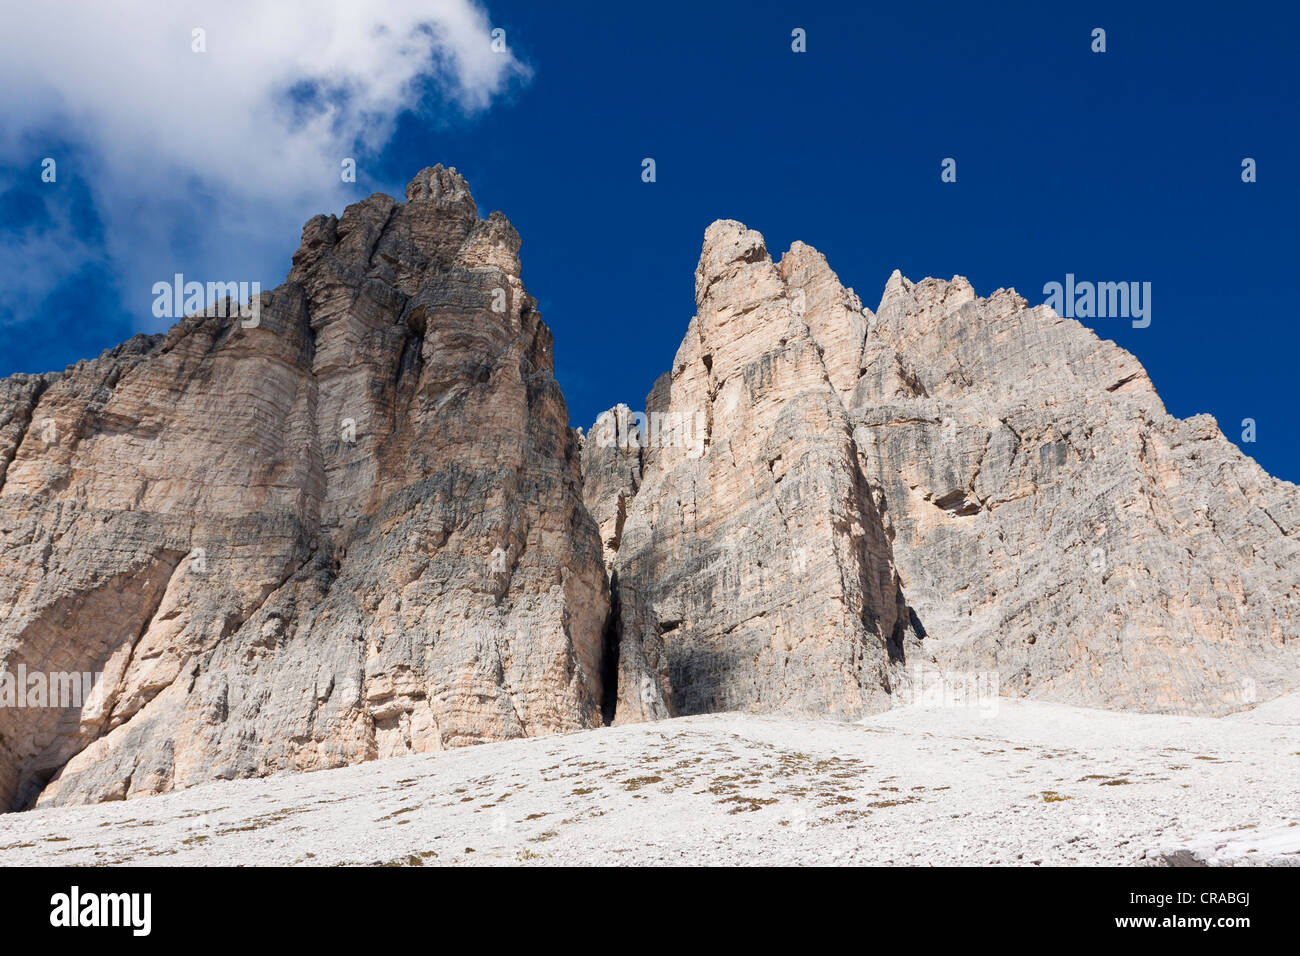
764,553
613,638
19,398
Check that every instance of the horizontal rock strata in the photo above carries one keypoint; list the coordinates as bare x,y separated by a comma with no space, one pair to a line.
350,530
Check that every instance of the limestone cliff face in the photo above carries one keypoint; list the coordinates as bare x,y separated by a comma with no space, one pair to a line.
966,483
1054,523
752,562
352,531
362,526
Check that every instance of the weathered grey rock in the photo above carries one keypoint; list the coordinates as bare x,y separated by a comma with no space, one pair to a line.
970,485
1053,523
611,472
753,569
363,527
352,531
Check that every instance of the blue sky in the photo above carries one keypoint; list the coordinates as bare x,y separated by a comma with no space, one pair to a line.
1117,166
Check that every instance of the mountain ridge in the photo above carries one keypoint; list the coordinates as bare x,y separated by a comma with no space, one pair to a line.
364,527
940,389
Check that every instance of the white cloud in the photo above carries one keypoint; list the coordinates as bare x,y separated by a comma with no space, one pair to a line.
34,260
205,158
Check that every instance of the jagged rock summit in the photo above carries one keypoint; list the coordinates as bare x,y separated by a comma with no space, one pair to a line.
354,530
950,484
361,525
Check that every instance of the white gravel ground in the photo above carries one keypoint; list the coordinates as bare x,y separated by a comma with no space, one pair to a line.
1034,784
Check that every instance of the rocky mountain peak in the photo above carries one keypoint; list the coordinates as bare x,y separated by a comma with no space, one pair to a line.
351,529
361,525
955,484
439,184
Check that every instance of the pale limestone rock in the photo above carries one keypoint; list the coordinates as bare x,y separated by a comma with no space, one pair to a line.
363,527
970,484
353,531
611,472
758,574
1053,523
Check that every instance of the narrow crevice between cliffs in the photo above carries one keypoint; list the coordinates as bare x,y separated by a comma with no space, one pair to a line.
612,638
